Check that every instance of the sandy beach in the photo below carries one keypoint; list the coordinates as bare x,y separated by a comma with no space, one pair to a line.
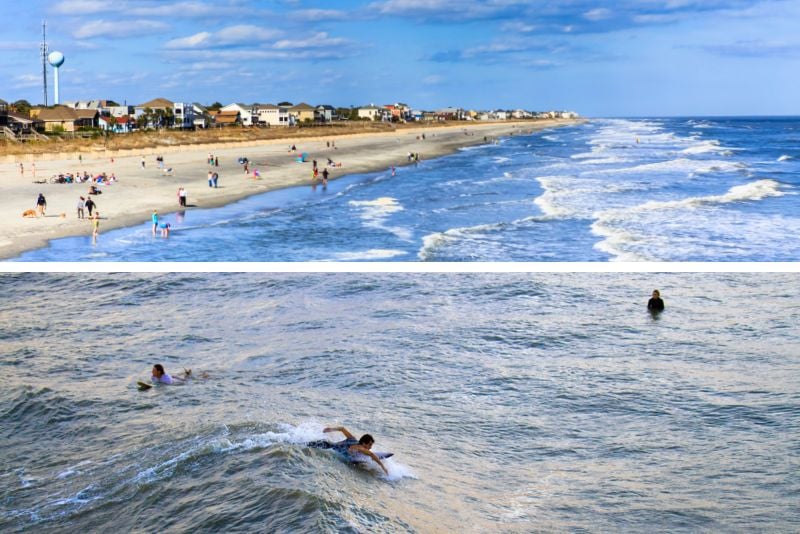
139,191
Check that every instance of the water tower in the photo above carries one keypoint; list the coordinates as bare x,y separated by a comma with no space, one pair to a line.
56,59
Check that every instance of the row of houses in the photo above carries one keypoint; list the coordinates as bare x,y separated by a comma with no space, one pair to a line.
161,112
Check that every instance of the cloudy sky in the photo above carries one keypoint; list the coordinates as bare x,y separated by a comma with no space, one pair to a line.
600,58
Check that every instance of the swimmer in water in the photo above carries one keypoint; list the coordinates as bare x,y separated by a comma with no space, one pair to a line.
349,446
655,304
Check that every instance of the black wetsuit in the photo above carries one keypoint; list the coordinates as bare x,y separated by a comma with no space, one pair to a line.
655,304
342,447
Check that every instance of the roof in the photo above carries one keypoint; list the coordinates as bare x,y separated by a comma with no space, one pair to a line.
86,113
20,117
57,114
157,103
226,117
267,106
302,106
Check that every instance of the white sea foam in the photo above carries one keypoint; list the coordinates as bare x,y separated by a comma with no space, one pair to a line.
551,138
616,225
785,157
376,212
689,166
705,147
371,254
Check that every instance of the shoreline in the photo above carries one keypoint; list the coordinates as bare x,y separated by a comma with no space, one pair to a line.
130,201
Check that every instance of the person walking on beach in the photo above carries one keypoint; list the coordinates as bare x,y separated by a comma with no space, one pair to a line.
90,205
182,197
210,182
143,163
41,205
215,178
81,205
154,218
216,161
247,167
21,169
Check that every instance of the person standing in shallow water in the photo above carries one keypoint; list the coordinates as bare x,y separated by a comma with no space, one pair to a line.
655,304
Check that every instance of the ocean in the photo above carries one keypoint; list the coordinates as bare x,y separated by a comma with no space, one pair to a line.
512,402
650,189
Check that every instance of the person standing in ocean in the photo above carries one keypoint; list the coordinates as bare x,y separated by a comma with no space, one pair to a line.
95,226
154,218
655,304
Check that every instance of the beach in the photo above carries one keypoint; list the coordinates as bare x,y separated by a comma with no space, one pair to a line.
138,191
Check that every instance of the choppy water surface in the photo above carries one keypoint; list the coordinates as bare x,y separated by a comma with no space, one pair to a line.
676,189
513,403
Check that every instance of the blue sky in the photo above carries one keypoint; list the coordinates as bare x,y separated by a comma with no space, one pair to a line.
600,58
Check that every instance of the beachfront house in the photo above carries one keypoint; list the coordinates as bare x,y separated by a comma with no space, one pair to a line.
156,113
246,113
110,123
227,118
371,112
58,119
302,112
325,113
202,119
86,118
272,115
450,114
183,115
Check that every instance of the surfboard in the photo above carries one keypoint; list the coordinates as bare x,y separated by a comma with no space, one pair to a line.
143,386
359,458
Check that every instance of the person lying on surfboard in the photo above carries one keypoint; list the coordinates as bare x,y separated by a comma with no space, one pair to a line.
350,446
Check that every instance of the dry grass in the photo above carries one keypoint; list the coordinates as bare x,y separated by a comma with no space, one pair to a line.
154,139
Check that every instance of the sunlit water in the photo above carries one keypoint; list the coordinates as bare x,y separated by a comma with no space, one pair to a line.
675,189
512,402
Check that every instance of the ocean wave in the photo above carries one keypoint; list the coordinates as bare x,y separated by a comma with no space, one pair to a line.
785,157
612,224
689,166
372,254
375,213
709,146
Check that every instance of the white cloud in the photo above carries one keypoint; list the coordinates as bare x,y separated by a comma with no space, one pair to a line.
600,13
232,35
319,14
83,7
114,29
320,40
197,40
177,9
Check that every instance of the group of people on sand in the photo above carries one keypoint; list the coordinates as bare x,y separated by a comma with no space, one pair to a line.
78,178
350,447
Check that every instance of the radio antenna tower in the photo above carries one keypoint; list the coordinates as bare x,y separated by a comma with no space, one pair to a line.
44,60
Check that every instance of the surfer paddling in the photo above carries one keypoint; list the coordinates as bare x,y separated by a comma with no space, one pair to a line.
349,447
160,376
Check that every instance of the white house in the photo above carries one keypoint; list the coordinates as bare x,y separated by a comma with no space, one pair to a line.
245,112
272,115
371,112
325,113
184,114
